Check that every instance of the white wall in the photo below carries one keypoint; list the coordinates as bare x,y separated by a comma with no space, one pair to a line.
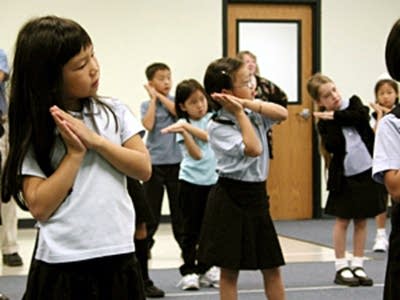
187,34
353,40
129,35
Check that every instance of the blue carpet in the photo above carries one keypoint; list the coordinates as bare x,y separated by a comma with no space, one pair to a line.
309,281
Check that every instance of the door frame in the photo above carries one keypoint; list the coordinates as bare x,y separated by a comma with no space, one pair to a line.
315,6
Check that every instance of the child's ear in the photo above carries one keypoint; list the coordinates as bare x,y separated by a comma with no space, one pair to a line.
226,91
182,107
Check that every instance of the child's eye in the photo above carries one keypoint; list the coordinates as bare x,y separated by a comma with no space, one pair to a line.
82,66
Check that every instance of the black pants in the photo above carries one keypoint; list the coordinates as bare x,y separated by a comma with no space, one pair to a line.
193,200
164,176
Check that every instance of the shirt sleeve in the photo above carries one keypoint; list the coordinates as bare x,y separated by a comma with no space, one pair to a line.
130,125
143,108
226,139
30,167
179,137
386,150
3,62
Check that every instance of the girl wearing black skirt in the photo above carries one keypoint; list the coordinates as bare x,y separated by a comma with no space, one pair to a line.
237,232
70,153
348,139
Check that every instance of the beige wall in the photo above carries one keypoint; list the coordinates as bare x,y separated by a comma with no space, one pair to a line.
128,35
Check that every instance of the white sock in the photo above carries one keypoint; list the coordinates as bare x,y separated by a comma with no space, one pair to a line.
341,263
381,233
357,262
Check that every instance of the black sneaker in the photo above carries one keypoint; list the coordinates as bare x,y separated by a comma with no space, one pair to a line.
151,291
12,260
349,281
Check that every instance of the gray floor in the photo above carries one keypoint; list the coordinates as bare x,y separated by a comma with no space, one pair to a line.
302,280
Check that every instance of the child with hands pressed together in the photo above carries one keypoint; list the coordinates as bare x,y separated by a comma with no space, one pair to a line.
70,153
197,176
157,113
347,139
387,96
238,233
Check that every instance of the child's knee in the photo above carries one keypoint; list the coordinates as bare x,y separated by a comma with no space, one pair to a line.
229,274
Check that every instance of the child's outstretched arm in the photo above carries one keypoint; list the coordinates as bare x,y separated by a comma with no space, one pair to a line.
271,110
43,196
193,130
355,114
190,144
252,144
132,158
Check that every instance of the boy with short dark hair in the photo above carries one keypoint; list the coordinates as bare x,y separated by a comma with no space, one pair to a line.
157,113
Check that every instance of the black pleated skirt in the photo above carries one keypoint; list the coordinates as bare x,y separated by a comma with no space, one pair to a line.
113,277
237,231
360,198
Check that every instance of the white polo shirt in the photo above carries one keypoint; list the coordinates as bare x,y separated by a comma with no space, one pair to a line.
97,218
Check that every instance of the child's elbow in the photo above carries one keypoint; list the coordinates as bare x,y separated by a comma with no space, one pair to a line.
253,151
146,174
197,155
39,214
284,114
394,194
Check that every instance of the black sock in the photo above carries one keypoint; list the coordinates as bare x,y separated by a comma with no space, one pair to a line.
141,254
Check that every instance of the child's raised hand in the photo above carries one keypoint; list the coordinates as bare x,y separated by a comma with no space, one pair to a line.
324,115
88,137
229,102
72,141
151,91
379,109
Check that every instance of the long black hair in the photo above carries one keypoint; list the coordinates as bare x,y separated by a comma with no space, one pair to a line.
392,52
44,45
220,75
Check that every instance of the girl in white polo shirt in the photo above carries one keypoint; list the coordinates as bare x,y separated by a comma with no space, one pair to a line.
70,153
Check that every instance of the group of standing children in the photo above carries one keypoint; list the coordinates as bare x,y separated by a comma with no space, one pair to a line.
222,151
72,151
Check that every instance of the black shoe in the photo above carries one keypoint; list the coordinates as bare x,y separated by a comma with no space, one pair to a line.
12,260
351,281
364,280
3,297
151,290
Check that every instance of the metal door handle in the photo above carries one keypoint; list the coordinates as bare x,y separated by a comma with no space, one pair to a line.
305,113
